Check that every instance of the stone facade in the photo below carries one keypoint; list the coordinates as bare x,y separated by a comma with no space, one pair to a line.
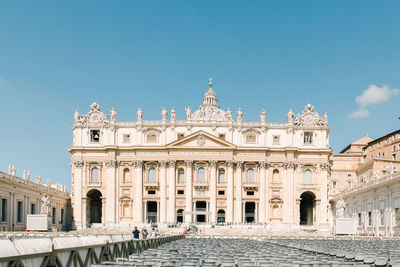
208,168
21,196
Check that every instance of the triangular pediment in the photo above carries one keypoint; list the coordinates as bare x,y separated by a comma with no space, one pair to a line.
201,140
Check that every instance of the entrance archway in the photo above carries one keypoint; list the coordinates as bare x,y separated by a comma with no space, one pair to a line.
249,212
95,206
307,204
179,216
221,216
151,216
201,211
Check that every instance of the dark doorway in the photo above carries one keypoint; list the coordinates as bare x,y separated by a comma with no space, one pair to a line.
221,216
151,216
249,212
179,216
307,204
201,209
95,206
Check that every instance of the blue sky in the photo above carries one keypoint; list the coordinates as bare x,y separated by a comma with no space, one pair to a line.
56,56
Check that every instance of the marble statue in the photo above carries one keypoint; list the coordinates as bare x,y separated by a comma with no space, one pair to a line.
113,115
38,180
229,114
45,208
239,115
188,113
173,114
76,116
139,114
340,208
13,171
24,174
164,114
290,116
262,116
9,169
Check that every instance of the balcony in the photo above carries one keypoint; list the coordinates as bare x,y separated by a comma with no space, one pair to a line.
250,186
151,185
200,185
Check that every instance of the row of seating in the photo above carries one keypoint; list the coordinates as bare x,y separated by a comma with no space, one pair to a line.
194,252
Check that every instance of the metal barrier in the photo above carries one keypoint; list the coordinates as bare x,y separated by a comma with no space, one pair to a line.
83,256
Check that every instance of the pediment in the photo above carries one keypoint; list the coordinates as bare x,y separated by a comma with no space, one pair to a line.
201,140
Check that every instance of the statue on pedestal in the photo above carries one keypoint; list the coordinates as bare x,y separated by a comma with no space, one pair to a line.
290,116
164,114
139,114
340,208
239,115
45,208
262,116
229,114
173,114
113,115
188,113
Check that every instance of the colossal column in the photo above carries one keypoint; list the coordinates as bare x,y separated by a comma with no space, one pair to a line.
238,184
263,189
324,194
213,191
139,192
171,192
290,191
229,206
78,210
188,180
163,192
110,185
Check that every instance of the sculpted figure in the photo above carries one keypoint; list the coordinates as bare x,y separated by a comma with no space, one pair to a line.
290,116
340,208
239,115
139,114
13,171
173,114
76,116
229,114
45,208
24,174
164,114
9,169
188,113
38,180
262,115
113,115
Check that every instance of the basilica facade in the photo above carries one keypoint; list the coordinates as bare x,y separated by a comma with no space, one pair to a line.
212,167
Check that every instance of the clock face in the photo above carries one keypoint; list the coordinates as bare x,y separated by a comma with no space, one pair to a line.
308,119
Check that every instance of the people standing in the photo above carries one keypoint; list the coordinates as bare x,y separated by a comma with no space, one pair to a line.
144,233
136,233
153,233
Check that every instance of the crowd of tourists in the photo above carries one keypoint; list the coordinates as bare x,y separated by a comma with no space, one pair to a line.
145,234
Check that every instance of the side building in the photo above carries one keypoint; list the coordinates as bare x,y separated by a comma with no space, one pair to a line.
371,187
21,196
207,168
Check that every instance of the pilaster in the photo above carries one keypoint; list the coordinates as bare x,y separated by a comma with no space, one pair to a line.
238,201
229,207
171,192
188,193
138,205
213,192
163,192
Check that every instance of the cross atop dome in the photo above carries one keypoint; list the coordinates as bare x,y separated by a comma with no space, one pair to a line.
210,98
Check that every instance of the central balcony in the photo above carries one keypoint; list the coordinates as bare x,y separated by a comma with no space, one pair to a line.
200,185
250,186
151,185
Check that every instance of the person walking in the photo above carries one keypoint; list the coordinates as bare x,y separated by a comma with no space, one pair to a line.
144,233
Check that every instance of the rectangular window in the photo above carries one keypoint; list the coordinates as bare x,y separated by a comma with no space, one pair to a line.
371,148
251,138
221,136
151,137
308,138
387,141
379,145
349,175
359,219
95,136
33,209
181,177
181,192
151,192
4,209
250,193
53,218
62,216
19,211
221,192
126,138
394,157
334,184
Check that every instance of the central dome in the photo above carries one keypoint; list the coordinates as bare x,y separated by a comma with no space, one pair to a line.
209,110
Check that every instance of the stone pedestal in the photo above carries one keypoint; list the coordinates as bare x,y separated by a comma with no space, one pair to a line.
345,226
38,222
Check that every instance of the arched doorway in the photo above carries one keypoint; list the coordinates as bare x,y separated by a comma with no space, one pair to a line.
151,216
179,216
95,206
307,204
221,216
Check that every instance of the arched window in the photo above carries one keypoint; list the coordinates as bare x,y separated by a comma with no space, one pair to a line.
152,175
250,175
221,175
126,176
307,176
181,176
94,176
275,176
201,174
